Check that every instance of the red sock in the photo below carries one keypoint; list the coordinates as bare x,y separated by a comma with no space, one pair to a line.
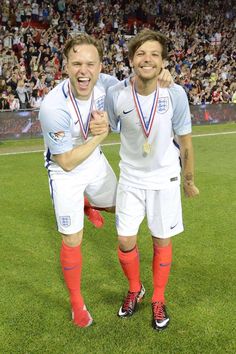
162,257
93,214
86,203
87,206
71,261
129,262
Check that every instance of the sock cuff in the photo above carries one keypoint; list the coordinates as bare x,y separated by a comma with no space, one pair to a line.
70,253
165,251
69,248
130,255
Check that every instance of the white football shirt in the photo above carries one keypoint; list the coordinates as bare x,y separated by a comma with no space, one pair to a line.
60,125
161,166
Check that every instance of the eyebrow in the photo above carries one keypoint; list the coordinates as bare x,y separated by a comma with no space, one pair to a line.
86,62
143,51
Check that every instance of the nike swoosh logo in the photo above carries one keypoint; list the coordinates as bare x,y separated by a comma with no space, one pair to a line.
121,313
162,324
71,268
172,227
126,112
165,264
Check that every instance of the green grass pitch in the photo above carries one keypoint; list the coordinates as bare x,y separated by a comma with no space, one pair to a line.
34,305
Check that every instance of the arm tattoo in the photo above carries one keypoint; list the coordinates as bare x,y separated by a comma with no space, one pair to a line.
186,154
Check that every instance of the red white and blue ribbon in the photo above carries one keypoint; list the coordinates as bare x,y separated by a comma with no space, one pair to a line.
84,127
147,126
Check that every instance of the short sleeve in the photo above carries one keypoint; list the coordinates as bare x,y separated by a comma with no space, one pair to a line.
55,123
107,80
110,107
181,120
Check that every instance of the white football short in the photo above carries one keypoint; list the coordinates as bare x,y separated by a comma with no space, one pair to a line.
161,207
68,192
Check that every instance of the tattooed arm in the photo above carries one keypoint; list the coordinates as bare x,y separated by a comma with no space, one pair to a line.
187,158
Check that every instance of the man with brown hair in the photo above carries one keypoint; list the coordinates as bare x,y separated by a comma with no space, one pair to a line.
74,124
151,118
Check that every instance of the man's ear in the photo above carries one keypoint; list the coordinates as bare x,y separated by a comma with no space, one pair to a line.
66,65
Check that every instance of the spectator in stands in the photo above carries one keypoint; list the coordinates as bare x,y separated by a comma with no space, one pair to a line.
3,85
35,10
226,93
201,37
4,104
22,93
8,91
35,79
35,100
61,6
216,95
14,103
12,81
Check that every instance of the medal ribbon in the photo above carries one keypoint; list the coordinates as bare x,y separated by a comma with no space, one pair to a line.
84,127
146,126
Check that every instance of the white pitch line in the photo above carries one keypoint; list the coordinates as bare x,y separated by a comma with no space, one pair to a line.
212,134
111,144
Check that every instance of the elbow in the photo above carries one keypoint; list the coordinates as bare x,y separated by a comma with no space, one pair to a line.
64,162
67,167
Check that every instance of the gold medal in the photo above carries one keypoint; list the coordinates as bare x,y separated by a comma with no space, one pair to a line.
146,147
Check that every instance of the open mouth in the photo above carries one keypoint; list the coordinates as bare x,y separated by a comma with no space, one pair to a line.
83,82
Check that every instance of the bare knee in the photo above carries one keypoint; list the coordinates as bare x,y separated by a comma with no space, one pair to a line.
161,242
73,240
127,243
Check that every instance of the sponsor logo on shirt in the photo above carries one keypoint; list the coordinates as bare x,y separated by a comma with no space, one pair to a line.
57,137
163,105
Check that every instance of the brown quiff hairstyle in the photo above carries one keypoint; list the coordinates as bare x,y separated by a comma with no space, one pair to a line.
144,36
83,39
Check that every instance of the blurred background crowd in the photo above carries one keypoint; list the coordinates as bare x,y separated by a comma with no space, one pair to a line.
202,38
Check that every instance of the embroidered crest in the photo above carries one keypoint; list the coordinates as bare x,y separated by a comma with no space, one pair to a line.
65,221
163,105
99,103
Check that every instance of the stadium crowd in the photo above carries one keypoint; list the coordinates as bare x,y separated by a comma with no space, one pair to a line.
202,37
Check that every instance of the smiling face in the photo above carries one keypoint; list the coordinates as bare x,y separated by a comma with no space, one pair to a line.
83,67
147,61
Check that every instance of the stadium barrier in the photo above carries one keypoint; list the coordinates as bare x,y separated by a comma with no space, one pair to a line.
25,124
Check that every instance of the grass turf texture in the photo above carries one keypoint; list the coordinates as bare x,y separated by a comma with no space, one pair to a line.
35,313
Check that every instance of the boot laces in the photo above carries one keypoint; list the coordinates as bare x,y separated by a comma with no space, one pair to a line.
130,300
158,310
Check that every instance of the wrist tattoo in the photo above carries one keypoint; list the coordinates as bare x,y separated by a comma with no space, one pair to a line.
188,179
